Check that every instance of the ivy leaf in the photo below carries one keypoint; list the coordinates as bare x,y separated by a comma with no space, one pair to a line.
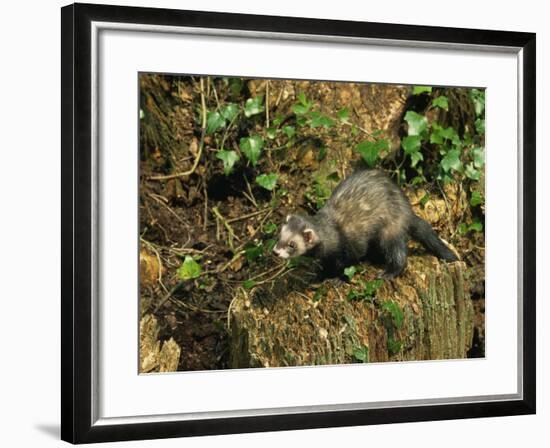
476,226
478,97
267,181
480,126
189,269
440,134
471,172
361,353
271,133
370,151
302,98
289,131
230,111
269,245
254,106
476,199
343,115
441,102
411,144
300,109
417,90
417,123
270,227
394,311
236,85
253,252
350,271
318,119
478,154
451,161
214,121
303,106
372,286
252,147
229,158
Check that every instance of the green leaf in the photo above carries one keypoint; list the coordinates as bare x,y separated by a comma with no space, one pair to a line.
252,147
343,115
478,154
300,109
269,245
394,346
267,181
462,228
236,85
417,90
394,311
254,106
318,120
249,284
229,158
476,226
417,123
411,144
302,98
230,111
271,132
289,131
269,227
478,97
361,353
189,269
370,151
424,200
370,287
480,126
253,252
471,172
214,121
476,199
415,158
350,271
141,114
451,161
440,134
441,102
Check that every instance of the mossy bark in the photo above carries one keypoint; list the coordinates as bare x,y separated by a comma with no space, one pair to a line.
432,318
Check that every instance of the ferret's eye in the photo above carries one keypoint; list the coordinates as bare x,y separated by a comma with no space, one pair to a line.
292,245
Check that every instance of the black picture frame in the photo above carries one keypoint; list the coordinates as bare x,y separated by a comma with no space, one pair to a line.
76,280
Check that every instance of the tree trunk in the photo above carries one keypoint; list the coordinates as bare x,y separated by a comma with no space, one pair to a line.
426,313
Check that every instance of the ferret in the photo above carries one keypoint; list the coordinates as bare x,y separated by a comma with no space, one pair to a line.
367,212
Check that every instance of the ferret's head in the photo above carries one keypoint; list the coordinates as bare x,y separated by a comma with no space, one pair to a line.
297,237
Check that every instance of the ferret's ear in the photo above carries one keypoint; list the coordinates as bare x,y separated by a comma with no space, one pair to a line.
310,237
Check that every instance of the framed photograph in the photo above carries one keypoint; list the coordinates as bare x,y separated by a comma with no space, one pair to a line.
275,223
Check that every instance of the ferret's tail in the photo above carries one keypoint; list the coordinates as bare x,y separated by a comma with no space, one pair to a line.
422,232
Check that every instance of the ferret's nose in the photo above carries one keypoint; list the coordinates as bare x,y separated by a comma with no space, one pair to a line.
275,251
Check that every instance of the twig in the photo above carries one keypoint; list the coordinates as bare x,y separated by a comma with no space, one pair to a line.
280,96
179,218
249,215
227,226
250,195
194,308
201,144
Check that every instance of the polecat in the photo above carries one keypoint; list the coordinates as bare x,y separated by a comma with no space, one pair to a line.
367,211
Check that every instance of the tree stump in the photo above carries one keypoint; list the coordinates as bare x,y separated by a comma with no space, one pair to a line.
424,314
